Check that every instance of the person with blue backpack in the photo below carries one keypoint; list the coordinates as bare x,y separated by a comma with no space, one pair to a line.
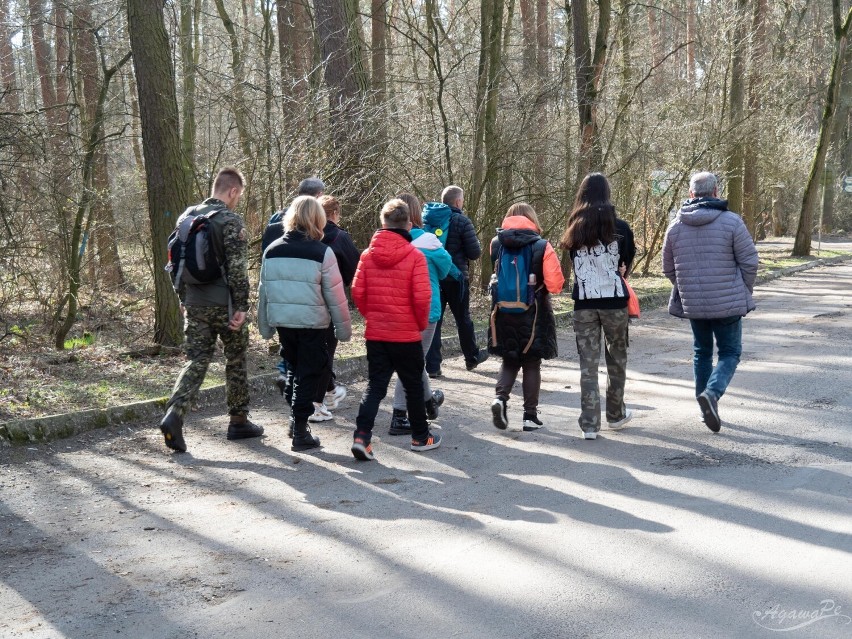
523,327
456,233
601,248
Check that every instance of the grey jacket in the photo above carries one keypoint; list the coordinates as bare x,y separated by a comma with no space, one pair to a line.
709,256
301,287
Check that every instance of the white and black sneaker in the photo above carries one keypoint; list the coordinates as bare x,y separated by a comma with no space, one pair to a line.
532,422
499,414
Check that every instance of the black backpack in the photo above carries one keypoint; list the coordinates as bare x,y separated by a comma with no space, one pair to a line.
192,256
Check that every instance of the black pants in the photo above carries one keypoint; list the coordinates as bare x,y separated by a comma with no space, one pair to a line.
307,358
383,359
457,295
531,383
326,384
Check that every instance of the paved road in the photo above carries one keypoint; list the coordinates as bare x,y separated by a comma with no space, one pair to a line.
661,530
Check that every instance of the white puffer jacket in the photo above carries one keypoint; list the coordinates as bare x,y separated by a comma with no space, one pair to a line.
301,287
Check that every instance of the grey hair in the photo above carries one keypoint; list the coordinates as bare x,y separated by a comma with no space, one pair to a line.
452,194
703,184
312,186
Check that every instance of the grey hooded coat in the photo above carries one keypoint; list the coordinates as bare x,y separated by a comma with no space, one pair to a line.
710,257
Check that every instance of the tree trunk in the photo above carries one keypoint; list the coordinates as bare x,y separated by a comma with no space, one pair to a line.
334,45
8,80
479,160
190,12
802,245
736,98
755,89
378,21
165,169
691,35
237,94
357,47
654,33
105,263
834,157
589,68
60,21
530,41
543,40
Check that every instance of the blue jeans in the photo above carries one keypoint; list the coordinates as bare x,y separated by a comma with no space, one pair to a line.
728,332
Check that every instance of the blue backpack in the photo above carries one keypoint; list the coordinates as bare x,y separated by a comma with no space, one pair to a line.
513,292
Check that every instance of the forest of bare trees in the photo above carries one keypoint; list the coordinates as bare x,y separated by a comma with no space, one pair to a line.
115,115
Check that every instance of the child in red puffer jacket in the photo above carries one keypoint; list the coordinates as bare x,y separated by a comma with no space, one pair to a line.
392,291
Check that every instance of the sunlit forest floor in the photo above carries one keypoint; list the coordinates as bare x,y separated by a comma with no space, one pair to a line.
112,362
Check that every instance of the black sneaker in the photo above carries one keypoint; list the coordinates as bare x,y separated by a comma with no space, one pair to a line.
710,410
172,428
281,383
480,357
498,412
438,396
431,410
244,431
532,422
399,423
436,375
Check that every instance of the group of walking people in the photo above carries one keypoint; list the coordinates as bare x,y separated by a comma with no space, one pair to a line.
416,265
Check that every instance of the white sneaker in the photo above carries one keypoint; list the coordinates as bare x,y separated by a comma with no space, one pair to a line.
321,414
333,398
590,434
621,423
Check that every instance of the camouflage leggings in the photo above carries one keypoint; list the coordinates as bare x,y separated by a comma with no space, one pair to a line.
587,328
202,326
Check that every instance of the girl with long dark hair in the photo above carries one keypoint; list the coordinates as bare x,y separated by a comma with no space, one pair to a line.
601,249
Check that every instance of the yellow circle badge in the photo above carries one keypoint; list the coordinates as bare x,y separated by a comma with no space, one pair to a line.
439,232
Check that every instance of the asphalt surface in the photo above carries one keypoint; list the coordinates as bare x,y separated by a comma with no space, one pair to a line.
660,530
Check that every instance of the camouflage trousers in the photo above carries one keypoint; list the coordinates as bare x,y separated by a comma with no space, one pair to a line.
203,324
587,329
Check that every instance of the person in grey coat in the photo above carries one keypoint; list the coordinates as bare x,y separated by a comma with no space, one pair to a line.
300,294
710,257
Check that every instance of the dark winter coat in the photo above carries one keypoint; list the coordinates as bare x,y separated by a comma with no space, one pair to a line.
511,333
344,250
460,239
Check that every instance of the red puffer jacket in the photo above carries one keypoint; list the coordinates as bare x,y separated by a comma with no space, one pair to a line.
391,288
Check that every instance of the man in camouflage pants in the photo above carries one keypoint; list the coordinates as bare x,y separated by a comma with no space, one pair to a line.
216,309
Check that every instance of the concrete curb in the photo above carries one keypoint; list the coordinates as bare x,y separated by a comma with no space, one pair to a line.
44,429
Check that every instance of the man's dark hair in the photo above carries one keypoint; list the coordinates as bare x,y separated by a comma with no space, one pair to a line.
228,178
312,186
